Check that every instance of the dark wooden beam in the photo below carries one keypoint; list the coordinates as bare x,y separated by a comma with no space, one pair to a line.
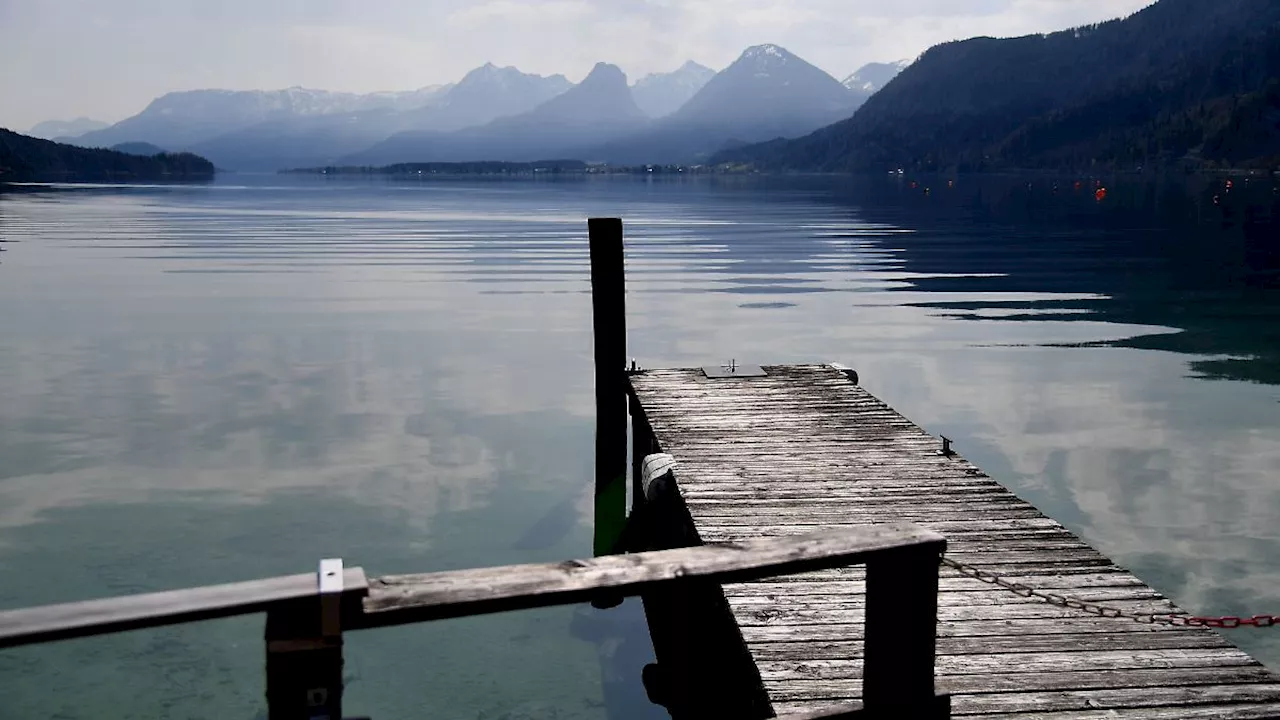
901,633
404,599
609,322
98,617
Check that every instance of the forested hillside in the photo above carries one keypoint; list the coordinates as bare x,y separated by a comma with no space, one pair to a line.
25,159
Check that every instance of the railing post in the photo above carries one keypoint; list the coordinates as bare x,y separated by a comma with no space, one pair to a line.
641,446
901,634
608,304
304,652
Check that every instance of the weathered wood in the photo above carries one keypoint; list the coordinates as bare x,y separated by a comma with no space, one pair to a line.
804,448
132,612
825,691
395,600
609,322
937,707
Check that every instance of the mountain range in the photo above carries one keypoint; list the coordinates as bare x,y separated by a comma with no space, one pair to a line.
499,113
1181,83
766,93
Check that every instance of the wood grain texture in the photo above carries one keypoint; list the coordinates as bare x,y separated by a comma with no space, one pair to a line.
805,448
400,599
133,612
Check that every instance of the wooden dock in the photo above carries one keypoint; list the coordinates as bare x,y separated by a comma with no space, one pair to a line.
805,448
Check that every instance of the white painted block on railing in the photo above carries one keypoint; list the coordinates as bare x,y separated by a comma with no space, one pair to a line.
653,467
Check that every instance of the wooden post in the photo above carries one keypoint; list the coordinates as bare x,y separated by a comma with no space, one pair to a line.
901,635
304,668
609,315
304,652
641,446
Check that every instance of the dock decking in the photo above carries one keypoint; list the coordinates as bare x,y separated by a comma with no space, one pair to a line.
805,448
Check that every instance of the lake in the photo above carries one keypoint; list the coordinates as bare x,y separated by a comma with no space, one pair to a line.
203,384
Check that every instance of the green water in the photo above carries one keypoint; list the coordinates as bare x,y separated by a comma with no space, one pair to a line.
216,383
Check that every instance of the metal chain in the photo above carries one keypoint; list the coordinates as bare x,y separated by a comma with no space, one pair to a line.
1056,599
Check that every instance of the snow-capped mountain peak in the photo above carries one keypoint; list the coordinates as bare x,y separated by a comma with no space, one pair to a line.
873,76
767,50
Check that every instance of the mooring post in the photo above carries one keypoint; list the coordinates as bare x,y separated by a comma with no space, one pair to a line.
609,320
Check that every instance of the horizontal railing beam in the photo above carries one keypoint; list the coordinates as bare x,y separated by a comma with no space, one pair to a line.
134,612
401,599
404,599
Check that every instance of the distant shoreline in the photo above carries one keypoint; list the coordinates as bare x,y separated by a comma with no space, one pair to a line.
502,168
581,168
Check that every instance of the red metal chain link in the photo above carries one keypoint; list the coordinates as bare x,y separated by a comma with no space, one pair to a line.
1226,622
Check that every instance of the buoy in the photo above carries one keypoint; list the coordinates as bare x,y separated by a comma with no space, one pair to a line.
1101,194
951,183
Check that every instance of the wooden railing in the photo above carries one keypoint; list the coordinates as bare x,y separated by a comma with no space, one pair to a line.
307,614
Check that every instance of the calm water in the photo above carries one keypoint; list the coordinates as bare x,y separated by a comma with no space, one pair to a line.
206,384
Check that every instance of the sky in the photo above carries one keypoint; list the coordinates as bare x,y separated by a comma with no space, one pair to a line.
106,59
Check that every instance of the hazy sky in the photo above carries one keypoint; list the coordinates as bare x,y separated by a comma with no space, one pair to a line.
108,58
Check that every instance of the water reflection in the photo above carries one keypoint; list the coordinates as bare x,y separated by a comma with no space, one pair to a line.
217,383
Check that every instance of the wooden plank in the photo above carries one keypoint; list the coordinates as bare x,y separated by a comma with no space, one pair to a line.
800,649
826,691
1242,696
1229,711
399,599
1119,698
133,612
804,448
1026,663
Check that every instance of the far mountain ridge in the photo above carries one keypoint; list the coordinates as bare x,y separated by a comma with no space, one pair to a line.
768,84
660,94
54,129
263,130
300,134
485,94
871,77
184,118
595,110
768,92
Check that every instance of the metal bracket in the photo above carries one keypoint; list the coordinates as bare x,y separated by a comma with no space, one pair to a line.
732,370
329,581
847,371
